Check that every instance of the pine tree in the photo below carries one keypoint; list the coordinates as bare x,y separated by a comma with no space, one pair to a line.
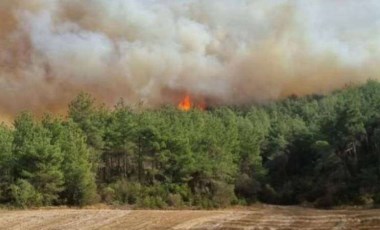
6,138
79,179
36,159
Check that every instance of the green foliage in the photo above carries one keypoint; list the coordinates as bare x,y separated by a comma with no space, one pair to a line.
92,121
6,139
316,149
155,196
36,159
25,195
79,179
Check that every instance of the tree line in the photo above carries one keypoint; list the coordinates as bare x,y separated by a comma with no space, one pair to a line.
316,150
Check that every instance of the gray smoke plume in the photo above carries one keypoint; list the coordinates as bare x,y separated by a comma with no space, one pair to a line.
156,51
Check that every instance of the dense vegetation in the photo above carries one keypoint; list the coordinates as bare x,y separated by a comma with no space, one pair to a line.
321,150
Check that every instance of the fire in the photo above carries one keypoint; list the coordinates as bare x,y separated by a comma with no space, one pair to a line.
185,104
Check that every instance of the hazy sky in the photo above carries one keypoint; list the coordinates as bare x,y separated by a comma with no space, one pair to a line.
350,28
157,51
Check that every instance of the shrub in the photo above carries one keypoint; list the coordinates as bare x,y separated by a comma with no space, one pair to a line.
108,195
122,192
175,200
25,195
222,194
151,202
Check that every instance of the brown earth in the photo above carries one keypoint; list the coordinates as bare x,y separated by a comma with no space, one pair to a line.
263,217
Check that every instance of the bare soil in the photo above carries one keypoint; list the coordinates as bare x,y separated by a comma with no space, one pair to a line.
260,217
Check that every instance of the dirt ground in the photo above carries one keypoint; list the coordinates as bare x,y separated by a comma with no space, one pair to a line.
261,218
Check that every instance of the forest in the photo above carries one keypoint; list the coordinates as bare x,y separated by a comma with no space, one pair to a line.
317,150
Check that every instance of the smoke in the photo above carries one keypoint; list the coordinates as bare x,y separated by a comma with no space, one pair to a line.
156,51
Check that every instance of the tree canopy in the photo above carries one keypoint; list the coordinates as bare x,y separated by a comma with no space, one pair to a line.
317,150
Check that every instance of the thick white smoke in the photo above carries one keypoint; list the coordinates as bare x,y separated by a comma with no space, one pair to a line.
223,51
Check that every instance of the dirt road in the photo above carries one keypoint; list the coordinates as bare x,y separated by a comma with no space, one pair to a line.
267,217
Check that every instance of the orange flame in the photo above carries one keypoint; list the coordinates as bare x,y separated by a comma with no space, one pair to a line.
185,104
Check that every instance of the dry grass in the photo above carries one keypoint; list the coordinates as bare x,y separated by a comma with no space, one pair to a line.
259,217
